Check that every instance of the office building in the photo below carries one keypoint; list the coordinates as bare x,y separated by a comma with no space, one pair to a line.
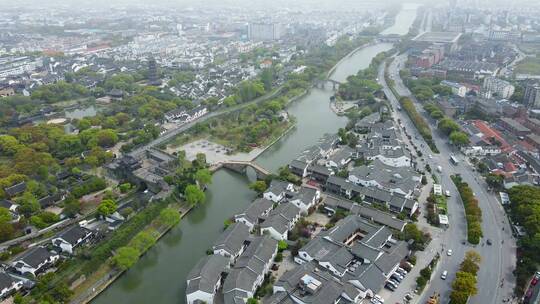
531,97
264,31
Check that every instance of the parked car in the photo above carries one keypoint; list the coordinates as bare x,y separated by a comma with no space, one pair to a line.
397,277
408,296
534,281
390,287
391,282
402,271
489,242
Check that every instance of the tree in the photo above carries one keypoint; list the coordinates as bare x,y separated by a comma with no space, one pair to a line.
5,215
459,138
169,217
126,257
282,245
72,206
194,195
448,125
9,144
495,180
458,297
267,77
28,204
6,231
203,177
125,187
252,301
107,207
143,241
106,138
258,186
200,161
465,282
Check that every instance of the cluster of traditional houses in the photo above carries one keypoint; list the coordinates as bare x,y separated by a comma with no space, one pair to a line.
345,264
387,175
349,262
244,252
40,259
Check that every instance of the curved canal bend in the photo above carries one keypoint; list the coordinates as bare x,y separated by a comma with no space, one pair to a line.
160,274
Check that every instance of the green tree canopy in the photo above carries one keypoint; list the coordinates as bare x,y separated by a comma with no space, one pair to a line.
258,186
107,207
194,195
126,257
169,217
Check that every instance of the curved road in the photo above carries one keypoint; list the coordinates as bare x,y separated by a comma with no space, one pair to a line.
498,260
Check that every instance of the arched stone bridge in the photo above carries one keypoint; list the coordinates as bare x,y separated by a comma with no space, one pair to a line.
321,83
241,167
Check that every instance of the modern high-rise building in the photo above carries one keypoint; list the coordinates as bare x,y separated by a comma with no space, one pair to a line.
531,97
495,86
264,31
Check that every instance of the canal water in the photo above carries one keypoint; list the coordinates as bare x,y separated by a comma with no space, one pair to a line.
159,276
404,20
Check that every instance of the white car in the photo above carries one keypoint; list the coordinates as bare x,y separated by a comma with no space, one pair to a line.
447,193
449,252
444,275
430,156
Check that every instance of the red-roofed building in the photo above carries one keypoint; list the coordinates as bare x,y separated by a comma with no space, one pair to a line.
489,134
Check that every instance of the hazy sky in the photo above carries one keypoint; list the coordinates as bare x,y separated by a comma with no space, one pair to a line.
267,4
244,3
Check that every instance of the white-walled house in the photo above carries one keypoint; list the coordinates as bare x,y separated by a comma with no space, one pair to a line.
232,242
249,271
281,220
8,285
277,189
305,198
35,261
254,214
206,278
70,238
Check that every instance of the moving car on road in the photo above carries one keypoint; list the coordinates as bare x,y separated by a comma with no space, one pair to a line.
444,275
449,252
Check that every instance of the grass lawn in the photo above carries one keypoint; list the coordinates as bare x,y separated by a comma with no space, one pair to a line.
529,65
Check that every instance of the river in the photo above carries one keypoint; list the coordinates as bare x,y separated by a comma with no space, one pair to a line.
159,276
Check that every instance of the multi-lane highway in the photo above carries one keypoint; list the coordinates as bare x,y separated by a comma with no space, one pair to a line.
495,278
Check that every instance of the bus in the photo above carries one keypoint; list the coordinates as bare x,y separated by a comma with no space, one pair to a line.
454,160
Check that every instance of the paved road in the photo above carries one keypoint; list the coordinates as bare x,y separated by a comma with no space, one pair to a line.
499,259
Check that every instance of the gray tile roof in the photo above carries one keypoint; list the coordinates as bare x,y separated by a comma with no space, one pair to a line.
73,234
206,273
323,289
256,210
404,178
305,194
5,280
232,239
319,247
35,256
277,186
281,217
